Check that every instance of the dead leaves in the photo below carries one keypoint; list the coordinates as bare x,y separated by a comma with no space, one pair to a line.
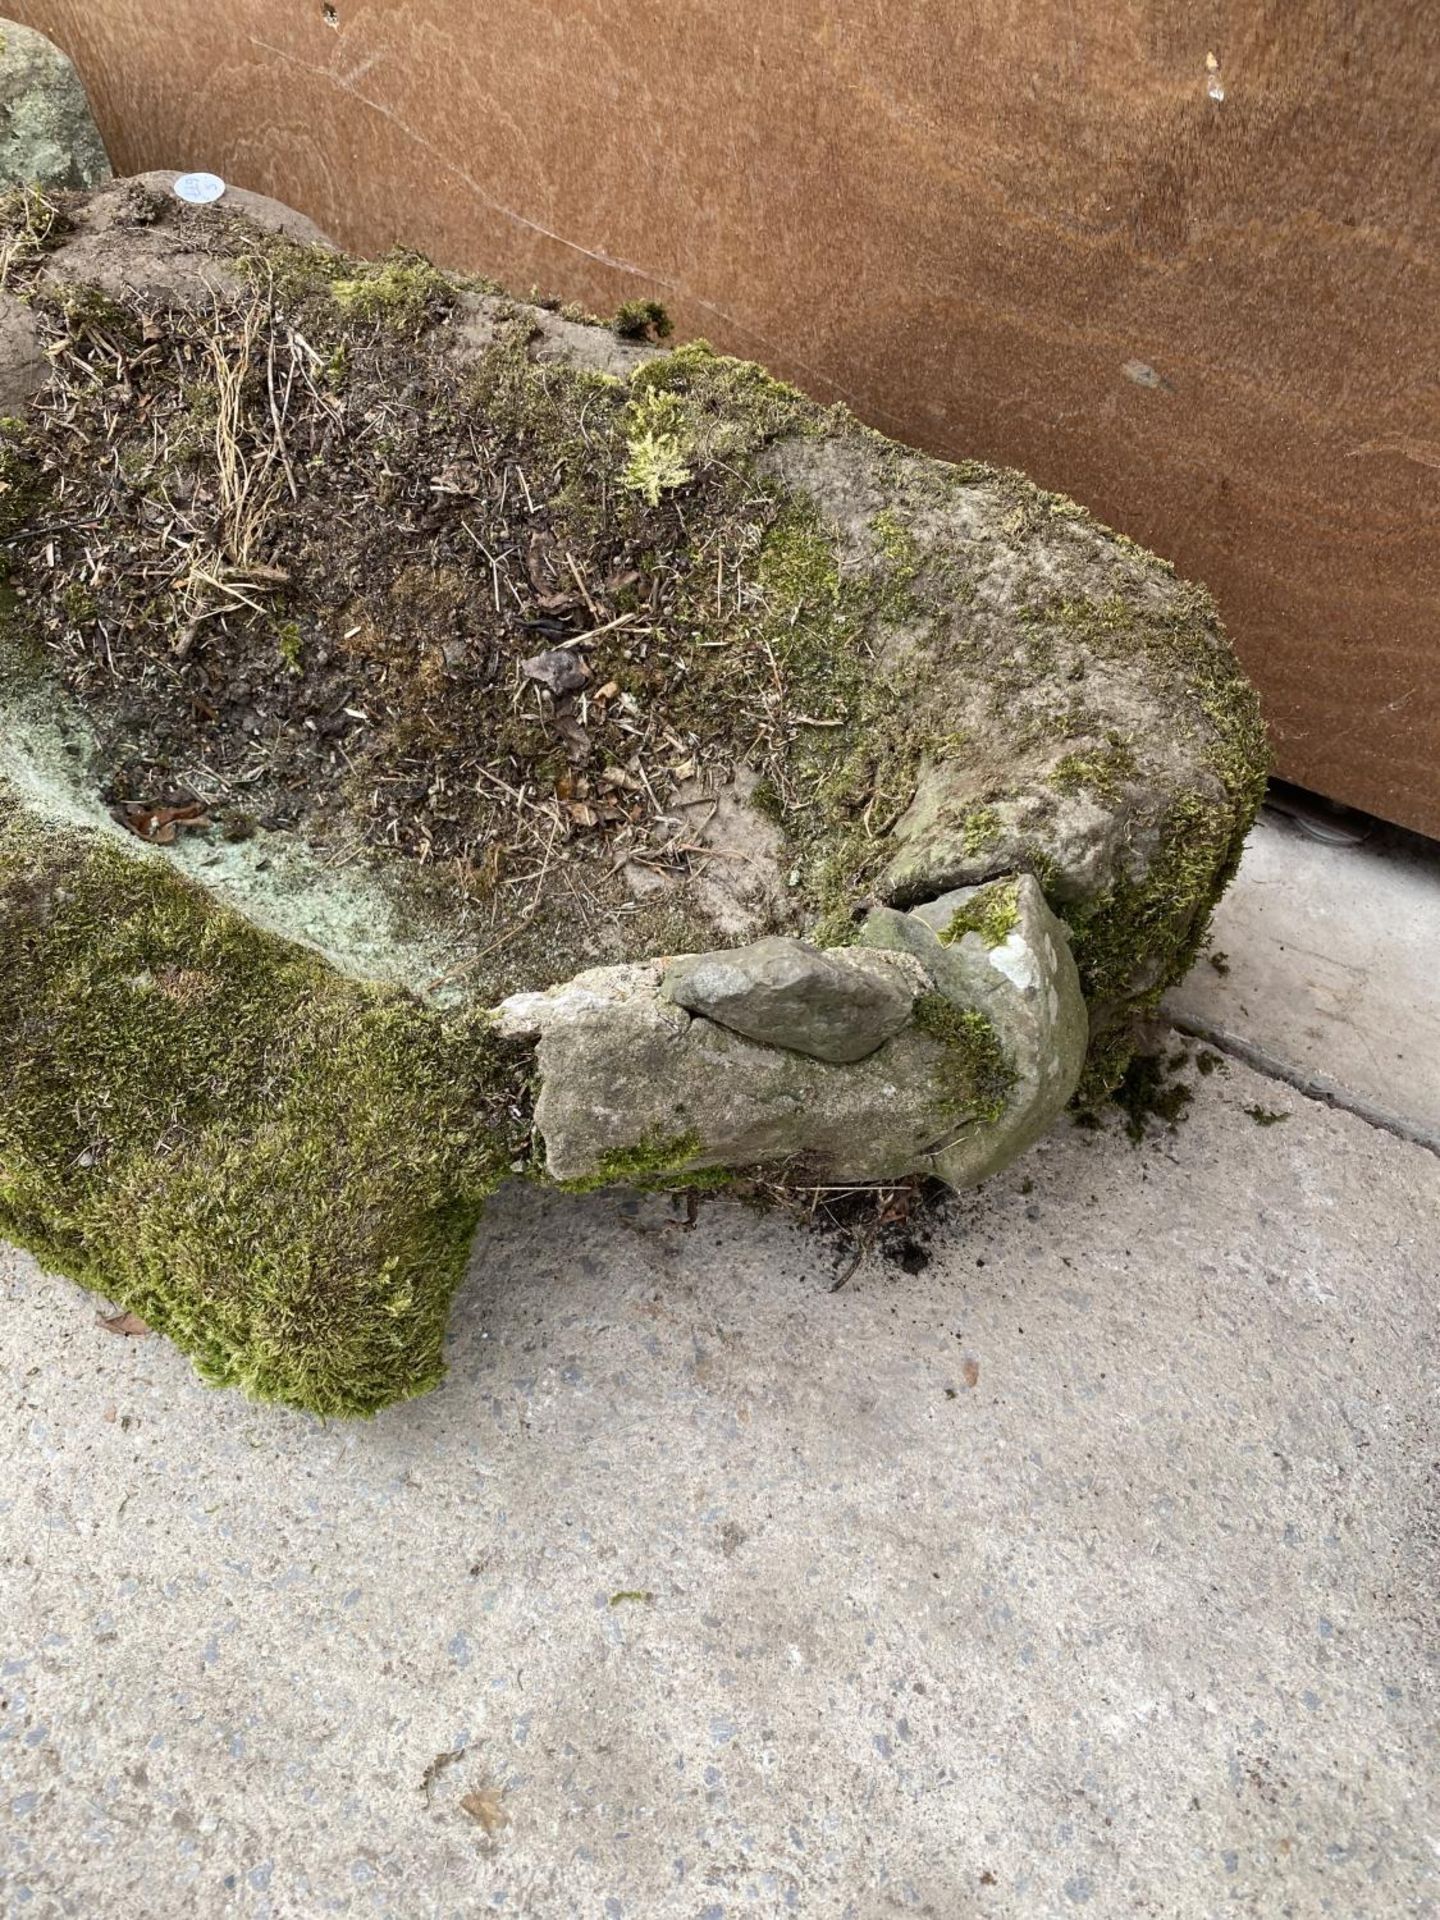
487,1806
484,1803
162,826
560,670
130,1325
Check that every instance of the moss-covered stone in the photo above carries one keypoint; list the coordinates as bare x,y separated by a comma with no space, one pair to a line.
322,534
278,1168
977,1074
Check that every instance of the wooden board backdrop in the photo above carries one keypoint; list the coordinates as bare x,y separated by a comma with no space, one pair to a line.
1028,230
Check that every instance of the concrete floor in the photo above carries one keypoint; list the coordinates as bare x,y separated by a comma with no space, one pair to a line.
1091,1567
1329,971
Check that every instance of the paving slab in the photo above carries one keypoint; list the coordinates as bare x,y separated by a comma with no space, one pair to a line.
1329,969
1090,1568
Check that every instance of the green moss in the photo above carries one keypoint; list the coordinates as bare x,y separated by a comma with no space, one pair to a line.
25,487
980,831
89,312
31,224
290,644
1103,771
278,1168
1182,633
1147,1092
642,320
993,912
1139,937
978,1074
402,291
897,543
79,603
765,799
657,1161
657,442
286,271
654,1155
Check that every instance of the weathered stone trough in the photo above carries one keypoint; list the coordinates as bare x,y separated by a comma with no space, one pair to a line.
445,739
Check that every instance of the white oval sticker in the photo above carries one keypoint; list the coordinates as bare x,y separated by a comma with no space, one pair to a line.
199,188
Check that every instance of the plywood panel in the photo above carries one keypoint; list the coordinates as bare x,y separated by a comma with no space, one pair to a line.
1028,230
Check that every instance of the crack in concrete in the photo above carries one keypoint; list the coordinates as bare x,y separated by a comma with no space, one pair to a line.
1313,1086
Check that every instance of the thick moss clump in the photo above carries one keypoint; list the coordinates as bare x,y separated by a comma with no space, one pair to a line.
278,1168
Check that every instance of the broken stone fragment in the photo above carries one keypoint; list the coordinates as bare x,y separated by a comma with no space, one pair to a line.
48,136
987,1052
831,1005
1024,982
631,1084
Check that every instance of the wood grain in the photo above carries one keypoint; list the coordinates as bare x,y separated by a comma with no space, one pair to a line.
1018,229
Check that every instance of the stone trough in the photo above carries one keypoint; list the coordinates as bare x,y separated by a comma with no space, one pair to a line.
448,739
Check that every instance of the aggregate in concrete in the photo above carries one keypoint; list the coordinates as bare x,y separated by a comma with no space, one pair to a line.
1089,1569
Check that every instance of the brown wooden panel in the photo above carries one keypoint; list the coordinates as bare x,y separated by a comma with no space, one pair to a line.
1018,229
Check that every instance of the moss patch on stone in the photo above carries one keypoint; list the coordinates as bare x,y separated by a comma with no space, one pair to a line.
1102,771
278,1168
993,912
403,290
658,1162
978,1074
